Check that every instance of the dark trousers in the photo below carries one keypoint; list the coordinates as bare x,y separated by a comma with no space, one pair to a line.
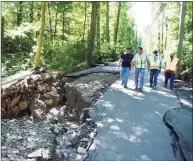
170,76
153,76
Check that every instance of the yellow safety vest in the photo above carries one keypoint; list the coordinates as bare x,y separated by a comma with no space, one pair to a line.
153,64
141,62
171,65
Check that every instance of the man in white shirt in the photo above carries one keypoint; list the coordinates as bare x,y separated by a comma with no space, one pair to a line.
140,60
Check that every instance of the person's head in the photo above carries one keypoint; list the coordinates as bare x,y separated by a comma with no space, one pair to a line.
139,50
155,52
128,50
172,55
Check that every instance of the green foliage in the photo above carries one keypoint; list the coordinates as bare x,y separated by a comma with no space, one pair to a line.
65,36
61,58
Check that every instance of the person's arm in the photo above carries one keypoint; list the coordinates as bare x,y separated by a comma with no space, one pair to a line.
178,65
160,67
148,63
120,61
133,62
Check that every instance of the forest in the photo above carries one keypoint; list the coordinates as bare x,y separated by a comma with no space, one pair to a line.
64,35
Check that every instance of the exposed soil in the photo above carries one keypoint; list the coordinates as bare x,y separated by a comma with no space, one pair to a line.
46,116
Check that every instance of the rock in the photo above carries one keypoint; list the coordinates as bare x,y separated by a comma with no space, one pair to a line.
41,88
64,79
15,100
34,137
53,93
14,111
56,101
81,150
49,102
92,135
54,84
84,140
23,105
35,154
47,96
38,109
40,153
84,115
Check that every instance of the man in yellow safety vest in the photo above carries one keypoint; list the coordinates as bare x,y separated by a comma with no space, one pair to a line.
155,68
171,65
140,60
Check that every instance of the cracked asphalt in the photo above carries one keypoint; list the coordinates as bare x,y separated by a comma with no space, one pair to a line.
130,123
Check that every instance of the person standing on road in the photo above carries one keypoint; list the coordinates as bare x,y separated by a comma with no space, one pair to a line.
155,69
126,66
171,66
139,61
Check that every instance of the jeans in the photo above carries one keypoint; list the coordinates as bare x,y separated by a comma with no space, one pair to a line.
153,76
124,75
139,72
170,76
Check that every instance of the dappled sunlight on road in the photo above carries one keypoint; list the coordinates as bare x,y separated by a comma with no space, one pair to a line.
129,119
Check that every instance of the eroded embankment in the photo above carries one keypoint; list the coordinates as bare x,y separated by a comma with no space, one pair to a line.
46,117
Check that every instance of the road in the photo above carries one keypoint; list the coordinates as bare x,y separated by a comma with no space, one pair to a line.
130,123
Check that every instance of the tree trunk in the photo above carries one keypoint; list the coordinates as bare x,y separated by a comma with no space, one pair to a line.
63,23
2,27
39,16
166,36
85,15
117,24
39,44
162,45
98,27
50,22
31,12
56,20
19,14
181,35
91,41
107,22
159,49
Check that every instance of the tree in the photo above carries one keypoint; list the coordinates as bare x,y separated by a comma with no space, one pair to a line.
56,20
31,12
85,15
39,44
117,23
2,27
98,27
107,22
19,13
91,40
50,22
166,33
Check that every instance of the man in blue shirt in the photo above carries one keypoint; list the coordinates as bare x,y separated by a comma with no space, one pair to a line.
126,66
